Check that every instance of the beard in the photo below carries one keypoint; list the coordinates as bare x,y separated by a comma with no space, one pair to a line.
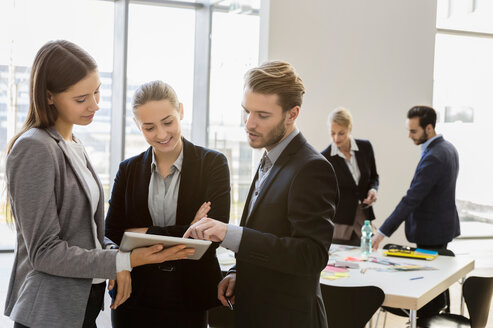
422,139
274,136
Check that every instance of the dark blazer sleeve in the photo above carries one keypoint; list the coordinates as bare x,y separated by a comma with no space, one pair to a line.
426,176
374,180
217,191
312,201
114,228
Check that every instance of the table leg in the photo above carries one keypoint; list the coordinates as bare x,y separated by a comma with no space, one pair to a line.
412,318
461,282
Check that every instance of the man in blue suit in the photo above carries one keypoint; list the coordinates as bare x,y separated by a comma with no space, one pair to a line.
429,204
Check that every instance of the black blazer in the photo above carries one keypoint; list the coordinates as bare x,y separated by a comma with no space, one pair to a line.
351,193
177,285
285,242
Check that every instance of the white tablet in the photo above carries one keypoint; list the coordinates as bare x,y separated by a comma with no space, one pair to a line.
133,240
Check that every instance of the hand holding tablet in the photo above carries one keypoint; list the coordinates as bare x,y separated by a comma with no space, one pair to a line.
133,240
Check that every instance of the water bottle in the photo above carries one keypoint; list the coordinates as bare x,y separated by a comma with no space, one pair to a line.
366,234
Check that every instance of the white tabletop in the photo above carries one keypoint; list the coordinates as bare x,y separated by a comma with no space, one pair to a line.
400,291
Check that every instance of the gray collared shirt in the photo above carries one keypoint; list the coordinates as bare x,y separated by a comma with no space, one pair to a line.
163,193
234,233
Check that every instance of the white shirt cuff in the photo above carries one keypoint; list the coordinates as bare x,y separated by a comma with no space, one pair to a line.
123,262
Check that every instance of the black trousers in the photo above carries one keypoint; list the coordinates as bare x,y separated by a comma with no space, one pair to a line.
125,317
94,305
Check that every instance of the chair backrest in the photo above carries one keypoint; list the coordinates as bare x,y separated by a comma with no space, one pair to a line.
477,294
353,242
351,307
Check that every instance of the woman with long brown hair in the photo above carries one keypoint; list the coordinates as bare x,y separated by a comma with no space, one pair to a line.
61,259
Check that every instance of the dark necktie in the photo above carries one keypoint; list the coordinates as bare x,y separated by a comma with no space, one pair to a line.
265,163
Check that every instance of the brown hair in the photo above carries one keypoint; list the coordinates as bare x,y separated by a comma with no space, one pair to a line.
154,91
426,114
277,77
57,66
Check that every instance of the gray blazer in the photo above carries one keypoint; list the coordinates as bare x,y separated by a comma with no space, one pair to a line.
55,258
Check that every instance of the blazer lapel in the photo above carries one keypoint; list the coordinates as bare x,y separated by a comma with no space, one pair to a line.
189,178
361,165
55,135
292,148
100,209
245,213
341,162
142,188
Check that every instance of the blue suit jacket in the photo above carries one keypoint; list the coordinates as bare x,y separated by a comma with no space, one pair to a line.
429,205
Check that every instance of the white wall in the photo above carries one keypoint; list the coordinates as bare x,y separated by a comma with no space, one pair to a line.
374,58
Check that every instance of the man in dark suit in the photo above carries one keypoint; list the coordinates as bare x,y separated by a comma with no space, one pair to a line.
286,230
428,208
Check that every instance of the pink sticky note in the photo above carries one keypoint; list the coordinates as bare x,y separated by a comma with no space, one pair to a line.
330,268
353,259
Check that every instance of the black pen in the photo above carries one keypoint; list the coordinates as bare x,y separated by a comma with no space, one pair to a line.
229,303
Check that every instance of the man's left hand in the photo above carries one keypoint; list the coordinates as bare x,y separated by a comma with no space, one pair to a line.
207,229
377,239
371,198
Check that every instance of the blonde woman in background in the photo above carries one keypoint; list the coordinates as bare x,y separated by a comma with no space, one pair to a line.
354,164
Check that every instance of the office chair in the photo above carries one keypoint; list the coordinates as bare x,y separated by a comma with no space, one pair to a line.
477,294
353,242
351,307
439,304
220,317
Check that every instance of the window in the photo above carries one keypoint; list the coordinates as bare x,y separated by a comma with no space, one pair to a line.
462,97
232,54
86,23
160,47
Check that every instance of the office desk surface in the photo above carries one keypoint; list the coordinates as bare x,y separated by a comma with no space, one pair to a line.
400,291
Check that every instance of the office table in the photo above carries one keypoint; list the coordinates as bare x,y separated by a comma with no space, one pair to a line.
400,291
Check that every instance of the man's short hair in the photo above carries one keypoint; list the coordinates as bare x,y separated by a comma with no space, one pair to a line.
426,114
276,77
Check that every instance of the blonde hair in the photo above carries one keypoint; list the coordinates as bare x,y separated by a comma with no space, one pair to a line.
276,77
341,116
154,91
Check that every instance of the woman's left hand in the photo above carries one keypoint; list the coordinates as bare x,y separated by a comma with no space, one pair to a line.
139,230
372,197
202,212
124,288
